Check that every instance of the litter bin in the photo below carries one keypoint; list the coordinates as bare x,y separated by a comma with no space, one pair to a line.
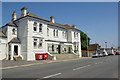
45,56
39,56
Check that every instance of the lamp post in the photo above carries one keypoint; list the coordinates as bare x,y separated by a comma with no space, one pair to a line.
106,45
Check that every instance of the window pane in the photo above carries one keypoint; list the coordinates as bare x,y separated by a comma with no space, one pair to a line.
47,31
40,45
35,28
35,39
52,47
35,45
54,32
13,31
35,24
40,28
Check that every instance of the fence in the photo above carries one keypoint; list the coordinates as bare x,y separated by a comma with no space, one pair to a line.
88,53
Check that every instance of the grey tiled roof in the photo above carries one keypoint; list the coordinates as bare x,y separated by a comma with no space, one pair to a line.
2,34
15,40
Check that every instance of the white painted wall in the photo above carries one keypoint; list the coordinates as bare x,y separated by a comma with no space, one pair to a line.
26,35
60,36
10,34
22,35
3,45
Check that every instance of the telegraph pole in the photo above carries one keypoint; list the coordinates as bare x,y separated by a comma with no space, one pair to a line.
87,46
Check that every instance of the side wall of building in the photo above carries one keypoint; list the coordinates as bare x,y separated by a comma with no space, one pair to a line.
3,48
22,35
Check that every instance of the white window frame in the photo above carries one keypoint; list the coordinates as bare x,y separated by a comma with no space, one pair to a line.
35,26
40,42
13,31
47,31
35,41
56,33
40,27
64,34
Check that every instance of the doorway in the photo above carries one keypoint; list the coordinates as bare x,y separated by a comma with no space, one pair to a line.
15,50
59,49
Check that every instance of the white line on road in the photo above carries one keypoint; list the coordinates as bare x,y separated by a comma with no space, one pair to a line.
81,67
52,75
98,62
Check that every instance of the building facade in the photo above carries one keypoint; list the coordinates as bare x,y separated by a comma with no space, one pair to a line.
30,34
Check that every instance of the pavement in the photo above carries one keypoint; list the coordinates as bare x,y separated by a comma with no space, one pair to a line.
103,67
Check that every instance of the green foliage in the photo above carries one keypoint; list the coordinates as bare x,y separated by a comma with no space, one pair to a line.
84,41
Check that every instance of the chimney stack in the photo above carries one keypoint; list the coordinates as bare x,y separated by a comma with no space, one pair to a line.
52,19
24,11
13,16
73,26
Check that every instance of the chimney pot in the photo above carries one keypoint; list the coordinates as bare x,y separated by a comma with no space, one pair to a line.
24,11
13,16
73,26
52,19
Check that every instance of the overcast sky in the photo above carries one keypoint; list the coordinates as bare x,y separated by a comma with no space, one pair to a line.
98,19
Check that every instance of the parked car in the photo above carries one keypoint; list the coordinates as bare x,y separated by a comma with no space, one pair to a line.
95,55
117,53
101,54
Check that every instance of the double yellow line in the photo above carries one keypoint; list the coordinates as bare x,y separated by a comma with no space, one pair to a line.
20,66
30,64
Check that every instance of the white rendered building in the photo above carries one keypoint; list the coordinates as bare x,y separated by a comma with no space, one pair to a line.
29,34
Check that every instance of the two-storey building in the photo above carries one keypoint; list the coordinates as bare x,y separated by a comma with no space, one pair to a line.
29,34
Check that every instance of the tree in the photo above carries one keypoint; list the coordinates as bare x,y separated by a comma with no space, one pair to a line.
84,41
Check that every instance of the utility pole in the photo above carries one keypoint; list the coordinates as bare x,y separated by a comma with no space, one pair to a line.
87,46
106,45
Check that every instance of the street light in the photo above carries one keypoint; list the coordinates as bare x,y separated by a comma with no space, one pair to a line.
106,45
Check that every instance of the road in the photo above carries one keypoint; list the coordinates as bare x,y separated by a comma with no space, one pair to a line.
103,67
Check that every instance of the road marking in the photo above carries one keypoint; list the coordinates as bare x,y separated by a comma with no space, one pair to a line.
81,67
9,67
52,75
98,62
30,64
20,66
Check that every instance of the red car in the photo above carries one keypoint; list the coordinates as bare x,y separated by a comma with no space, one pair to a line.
117,53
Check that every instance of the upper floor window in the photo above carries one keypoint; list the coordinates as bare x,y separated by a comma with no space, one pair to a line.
40,28
64,34
47,31
74,35
13,31
54,32
35,26
77,35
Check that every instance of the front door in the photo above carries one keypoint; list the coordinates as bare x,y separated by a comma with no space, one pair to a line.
15,50
59,49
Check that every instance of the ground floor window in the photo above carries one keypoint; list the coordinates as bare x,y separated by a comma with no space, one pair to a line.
37,43
57,49
76,48
53,48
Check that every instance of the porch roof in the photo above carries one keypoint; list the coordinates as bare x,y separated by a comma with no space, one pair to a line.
15,40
